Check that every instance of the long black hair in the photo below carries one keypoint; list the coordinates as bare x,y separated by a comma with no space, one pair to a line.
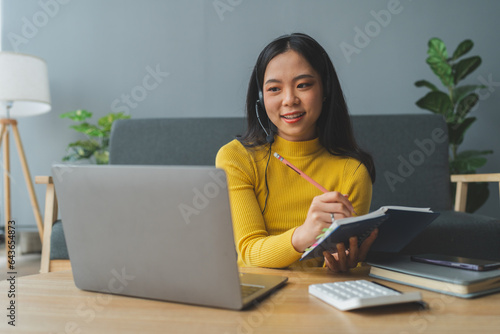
334,126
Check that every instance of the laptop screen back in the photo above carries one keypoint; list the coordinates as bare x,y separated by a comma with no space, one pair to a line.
156,232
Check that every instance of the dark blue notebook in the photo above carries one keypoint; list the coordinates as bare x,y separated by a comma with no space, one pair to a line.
397,225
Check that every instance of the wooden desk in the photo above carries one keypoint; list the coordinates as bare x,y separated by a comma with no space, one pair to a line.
50,303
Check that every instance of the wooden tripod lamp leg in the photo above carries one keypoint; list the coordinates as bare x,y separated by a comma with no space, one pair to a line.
2,131
29,183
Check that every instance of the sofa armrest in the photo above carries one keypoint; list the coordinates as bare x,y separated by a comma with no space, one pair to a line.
463,180
50,216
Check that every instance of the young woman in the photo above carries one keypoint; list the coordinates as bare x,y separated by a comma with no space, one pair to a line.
295,107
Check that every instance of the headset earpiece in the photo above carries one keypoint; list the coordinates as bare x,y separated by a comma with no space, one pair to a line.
260,94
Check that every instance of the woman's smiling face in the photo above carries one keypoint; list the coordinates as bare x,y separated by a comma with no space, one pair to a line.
293,96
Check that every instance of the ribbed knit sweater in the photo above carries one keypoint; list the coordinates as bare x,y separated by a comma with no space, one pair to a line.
264,240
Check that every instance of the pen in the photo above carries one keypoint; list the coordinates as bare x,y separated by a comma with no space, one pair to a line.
304,175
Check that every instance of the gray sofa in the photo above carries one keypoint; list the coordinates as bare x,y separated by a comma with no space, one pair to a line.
411,159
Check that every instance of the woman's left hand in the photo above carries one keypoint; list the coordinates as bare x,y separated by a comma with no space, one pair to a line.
345,259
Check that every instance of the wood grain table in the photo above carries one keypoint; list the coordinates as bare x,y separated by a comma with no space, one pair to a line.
50,303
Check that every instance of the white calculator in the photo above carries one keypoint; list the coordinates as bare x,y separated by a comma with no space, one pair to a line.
356,294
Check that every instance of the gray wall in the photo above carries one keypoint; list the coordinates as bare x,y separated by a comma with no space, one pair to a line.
100,51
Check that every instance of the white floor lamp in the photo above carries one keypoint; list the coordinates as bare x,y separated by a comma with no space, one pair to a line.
24,91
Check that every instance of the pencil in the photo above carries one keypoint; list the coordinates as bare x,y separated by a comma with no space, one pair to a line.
301,173
304,175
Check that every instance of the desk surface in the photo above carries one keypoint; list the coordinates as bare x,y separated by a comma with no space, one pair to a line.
51,303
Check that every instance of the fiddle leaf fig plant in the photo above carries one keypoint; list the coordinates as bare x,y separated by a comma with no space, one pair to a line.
95,148
455,103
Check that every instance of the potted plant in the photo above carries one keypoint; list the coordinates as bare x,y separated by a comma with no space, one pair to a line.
455,104
95,148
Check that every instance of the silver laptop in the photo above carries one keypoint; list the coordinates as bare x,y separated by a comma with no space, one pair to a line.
158,232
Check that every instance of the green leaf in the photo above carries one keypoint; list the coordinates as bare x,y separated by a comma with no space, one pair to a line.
473,164
72,157
89,145
89,129
442,69
105,142
77,115
460,92
425,83
466,66
437,49
437,102
456,131
107,121
469,162
438,61
465,105
101,157
82,127
81,153
473,153
462,48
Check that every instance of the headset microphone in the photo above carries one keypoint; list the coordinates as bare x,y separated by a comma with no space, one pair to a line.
270,138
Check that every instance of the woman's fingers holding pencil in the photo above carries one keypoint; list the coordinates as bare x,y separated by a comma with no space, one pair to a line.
337,204
318,218
323,206
343,205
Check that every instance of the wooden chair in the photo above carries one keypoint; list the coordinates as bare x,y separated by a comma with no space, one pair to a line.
463,181
50,217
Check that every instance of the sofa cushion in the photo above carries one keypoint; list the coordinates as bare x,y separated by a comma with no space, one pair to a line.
459,234
58,249
170,141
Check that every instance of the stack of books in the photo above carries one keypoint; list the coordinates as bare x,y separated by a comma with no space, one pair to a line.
452,281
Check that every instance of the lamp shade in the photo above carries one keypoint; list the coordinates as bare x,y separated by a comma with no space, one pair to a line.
25,83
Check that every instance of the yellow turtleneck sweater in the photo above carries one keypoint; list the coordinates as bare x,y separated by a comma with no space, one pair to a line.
265,240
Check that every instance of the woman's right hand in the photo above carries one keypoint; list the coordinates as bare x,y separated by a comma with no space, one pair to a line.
319,217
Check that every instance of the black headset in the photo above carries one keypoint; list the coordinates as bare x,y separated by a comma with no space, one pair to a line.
260,101
269,133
